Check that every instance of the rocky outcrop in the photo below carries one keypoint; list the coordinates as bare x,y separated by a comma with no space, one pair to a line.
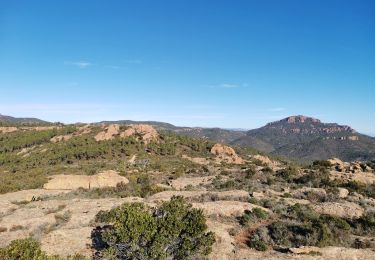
82,130
342,193
265,160
226,154
146,133
72,182
61,138
38,219
352,167
343,210
6,130
108,133
301,119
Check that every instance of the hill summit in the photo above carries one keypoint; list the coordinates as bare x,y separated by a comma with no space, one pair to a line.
307,138
298,119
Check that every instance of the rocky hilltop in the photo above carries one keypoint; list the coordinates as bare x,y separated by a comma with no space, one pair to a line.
306,138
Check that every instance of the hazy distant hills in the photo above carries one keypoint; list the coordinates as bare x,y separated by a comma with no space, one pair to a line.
296,137
306,138
8,120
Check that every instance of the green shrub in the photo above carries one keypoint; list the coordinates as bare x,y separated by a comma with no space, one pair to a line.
30,249
258,245
254,215
299,226
288,174
267,169
260,213
174,230
322,163
250,172
23,249
317,179
366,190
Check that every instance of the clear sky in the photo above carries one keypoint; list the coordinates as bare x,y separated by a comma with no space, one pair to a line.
233,63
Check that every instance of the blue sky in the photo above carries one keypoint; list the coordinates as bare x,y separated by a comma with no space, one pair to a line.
234,64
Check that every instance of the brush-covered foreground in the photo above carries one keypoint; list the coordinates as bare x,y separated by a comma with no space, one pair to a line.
230,204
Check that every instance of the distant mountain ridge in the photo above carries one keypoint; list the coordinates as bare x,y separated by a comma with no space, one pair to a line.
8,120
307,138
299,138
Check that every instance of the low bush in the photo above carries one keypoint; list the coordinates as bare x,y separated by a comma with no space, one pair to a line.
316,179
322,163
299,226
288,174
361,188
255,215
30,249
23,249
133,231
258,245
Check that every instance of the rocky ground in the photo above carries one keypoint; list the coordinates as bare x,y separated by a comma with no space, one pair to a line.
230,187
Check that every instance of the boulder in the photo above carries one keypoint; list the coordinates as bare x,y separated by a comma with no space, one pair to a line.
265,160
342,193
146,133
226,154
335,162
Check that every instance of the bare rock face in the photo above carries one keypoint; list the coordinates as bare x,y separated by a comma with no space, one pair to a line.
108,133
301,119
72,182
226,154
60,138
336,162
5,130
346,167
86,129
266,160
82,130
343,210
38,219
145,132
362,177
342,193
